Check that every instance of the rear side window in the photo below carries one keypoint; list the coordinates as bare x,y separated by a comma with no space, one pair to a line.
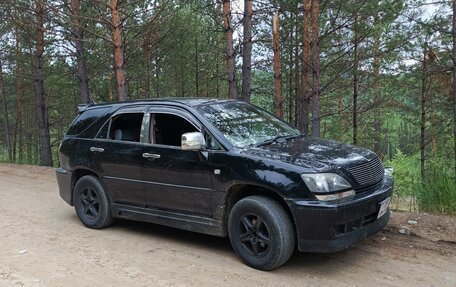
85,120
126,127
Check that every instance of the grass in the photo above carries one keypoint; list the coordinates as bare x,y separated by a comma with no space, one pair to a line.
436,193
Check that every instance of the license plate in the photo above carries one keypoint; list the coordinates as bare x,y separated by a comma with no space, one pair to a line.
384,205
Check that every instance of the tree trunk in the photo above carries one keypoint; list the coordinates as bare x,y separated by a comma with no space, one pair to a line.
432,122
355,80
377,98
304,97
5,111
157,66
247,50
30,129
423,113
315,71
79,44
36,150
18,134
340,106
157,77
41,108
277,73
291,76
196,68
119,71
229,49
206,92
297,100
182,76
217,67
454,84
148,56
217,77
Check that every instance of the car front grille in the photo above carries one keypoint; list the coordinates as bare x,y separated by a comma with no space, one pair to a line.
368,173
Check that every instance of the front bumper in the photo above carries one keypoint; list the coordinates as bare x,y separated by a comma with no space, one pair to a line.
64,178
329,227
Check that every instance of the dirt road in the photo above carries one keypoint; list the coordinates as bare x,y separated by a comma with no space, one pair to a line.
42,243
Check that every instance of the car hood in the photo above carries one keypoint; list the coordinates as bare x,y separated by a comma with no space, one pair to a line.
314,153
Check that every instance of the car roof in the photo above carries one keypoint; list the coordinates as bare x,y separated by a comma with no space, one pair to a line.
191,102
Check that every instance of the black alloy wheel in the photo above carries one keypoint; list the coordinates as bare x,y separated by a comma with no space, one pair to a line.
261,232
254,235
91,203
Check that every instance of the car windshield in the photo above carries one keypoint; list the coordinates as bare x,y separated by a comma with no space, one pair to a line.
245,125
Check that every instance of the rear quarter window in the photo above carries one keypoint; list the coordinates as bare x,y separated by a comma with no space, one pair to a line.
85,120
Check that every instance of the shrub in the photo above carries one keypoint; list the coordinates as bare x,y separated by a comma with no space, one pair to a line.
435,193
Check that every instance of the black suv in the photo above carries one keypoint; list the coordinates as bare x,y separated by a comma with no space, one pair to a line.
225,168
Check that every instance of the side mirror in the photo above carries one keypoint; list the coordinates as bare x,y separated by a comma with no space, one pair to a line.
193,141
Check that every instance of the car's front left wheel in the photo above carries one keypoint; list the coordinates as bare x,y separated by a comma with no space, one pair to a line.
91,203
261,232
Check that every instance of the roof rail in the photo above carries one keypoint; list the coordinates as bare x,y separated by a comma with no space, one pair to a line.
83,107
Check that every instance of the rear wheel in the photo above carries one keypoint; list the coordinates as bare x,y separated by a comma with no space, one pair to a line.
91,203
261,232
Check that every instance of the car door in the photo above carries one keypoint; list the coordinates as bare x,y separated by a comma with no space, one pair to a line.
116,155
175,179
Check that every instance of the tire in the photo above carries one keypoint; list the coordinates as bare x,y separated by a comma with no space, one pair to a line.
261,232
91,203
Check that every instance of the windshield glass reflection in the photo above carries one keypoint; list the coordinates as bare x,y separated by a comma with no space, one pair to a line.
245,125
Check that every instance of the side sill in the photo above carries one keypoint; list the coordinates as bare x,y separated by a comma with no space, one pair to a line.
173,219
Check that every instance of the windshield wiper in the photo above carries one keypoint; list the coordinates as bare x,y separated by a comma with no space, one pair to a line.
276,139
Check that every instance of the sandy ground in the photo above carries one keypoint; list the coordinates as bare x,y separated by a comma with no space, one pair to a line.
42,243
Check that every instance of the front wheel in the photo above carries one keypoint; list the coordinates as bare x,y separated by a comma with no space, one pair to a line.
261,232
91,203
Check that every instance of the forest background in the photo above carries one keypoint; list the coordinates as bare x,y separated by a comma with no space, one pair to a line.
378,74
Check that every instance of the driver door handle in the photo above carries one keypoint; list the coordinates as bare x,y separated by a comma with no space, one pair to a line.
96,149
150,156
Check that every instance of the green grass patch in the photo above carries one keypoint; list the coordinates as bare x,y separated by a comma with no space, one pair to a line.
436,193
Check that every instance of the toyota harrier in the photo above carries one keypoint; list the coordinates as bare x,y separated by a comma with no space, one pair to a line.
225,168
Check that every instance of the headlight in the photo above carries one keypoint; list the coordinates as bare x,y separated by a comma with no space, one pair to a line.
323,183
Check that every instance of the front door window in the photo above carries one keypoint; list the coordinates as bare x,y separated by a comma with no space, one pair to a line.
167,129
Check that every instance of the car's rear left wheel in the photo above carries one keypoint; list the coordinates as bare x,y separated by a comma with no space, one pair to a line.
261,232
91,203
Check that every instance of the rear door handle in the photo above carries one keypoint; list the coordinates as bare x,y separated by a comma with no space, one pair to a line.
96,149
150,156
